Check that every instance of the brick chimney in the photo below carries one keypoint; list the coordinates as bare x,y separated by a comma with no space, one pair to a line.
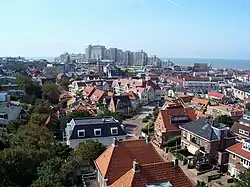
136,166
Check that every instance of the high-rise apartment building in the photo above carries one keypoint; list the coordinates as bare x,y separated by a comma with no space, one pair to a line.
95,52
140,58
127,58
111,54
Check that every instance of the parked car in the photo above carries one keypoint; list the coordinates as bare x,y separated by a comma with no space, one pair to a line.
203,166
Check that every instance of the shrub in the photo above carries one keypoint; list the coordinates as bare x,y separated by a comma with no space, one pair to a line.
173,141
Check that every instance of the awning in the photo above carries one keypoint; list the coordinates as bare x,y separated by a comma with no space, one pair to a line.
192,149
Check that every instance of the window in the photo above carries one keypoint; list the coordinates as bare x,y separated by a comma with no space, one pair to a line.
81,133
114,130
97,132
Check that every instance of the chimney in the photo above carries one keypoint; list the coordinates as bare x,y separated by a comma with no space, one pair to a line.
175,162
147,140
115,142
136,166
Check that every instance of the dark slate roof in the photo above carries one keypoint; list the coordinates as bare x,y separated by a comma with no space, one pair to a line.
90,123
237,126
123,100
203,128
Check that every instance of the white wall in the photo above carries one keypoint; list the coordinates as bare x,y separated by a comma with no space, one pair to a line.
104,140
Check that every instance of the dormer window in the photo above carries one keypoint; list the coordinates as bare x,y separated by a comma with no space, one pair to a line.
81,133
114,130
97,132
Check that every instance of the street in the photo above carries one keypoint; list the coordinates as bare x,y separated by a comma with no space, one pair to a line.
134,125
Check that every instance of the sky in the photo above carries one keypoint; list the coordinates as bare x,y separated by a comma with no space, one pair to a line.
166,28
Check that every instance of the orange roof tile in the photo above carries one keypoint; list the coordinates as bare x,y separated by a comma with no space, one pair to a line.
176,112
216,95
116,161
154,173
201,101
88,91
97,95
237,149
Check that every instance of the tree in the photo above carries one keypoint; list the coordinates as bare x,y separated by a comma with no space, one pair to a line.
225,119
248,106
13,126
50,92
201,184
89,150
244,179
27,149
23,82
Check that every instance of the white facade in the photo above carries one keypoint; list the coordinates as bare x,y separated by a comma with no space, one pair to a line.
201,86
240,94
73,143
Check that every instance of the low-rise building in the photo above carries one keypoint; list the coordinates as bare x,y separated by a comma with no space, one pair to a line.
168,122
136,163
207,138
219,110
242,128
120,104
103,129
239,158
241,93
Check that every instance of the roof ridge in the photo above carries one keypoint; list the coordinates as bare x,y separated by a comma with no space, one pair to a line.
156,163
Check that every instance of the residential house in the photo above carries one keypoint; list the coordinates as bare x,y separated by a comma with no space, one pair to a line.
134,99
8,83
220,109
239,158
241,93
103,129
143,95
81,85
194,84
120,104
168,122
98,96
87,92
207,139
136,163
216,96
10,113
242,128
147,90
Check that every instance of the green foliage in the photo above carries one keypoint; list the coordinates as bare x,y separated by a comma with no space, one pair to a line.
248,106
51,92
13,126
64,83
32,89
27,149
244,179
173,141
156,112
201,184
225,119
118,116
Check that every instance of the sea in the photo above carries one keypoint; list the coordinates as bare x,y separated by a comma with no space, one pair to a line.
215,63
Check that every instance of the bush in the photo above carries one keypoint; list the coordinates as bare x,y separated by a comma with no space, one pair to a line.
173,141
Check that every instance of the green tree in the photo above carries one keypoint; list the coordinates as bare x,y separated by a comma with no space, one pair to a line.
13,126
244,179
51,92
49,173
201,184
27,149
248,106
225,119
23,82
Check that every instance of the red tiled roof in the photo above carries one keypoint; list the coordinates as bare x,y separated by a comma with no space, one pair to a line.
132,95
116,161
200,114
216,95
65,95
175,112
97,95
237,149
201,101
154,173
88,91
